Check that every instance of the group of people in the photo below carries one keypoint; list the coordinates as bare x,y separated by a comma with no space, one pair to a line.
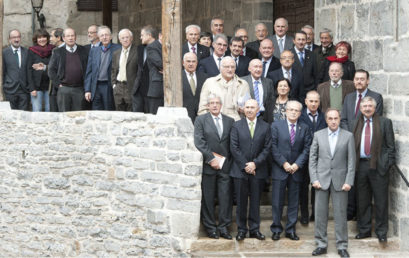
283,112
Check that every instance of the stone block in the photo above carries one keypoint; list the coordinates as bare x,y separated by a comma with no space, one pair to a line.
157,178
184,127
56,183
165,132
368,55
138,187
112,246
362,22
146,201
379,83
403,17
189,182
178,222
326,18
173,156
170,167
180,193
156,217
177,144
152,154
381,18
397,107
159,241
183,205
404,233
393,53
190,157
193,170
346,20
398,85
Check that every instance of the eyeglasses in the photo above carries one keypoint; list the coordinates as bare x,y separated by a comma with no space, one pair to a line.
221,45
293,110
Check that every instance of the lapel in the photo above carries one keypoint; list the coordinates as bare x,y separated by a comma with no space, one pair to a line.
298,132
326,140
131,54
225,125
249,80
265,90
340,135
213,62
185,82
97,55
296,58
210,122
185,48
284,128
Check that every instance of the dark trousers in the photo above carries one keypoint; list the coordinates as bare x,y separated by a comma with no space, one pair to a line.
279,187
18,101
245,189
304,190
218,185
70,98
369,183
351,210
122,97
140,103
53,103
103,99
154,104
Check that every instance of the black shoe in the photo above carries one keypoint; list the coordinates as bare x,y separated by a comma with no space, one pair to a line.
362,235
351,217
304,221
312,217
213,235
319,251
382,239
292,236
226,235
240,236
257,235
343,253
275,236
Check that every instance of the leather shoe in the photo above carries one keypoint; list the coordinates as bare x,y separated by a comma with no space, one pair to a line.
312,217
363,235
319,251
304,221
276,236
257,235
343,253
213,235
226,235
382,239
292,236
240,236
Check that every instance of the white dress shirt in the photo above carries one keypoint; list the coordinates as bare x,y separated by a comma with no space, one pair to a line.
260,92
18,53
332,139
362,149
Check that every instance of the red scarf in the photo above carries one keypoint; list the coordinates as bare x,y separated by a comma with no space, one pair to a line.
43,52
338,60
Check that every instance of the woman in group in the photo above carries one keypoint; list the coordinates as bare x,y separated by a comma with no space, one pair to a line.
282,88
342,52
38,57
206,40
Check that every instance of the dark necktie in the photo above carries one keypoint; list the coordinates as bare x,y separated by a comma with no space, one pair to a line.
194,50
314,121
292,134
219,59
264,68
309,48
301,54
16,55
367,146
357,104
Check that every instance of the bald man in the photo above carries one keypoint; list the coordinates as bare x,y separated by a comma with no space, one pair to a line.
280,39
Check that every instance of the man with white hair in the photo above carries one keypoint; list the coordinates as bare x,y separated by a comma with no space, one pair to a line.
124,71
280,39
232,90
192,43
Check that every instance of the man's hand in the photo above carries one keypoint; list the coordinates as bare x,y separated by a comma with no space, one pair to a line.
214,164
39,66
34,93
250,168
294,168
88,96
316,185
346,187
287,167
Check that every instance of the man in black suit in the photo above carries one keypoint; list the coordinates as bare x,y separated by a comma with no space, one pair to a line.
93,38
250,143
291,142
140,87
250,53
192,84
261,32
289,72
56,40
270,62
304,61
192,45
242,62
309,30
15,82
326,49
315,120
212,139
211,65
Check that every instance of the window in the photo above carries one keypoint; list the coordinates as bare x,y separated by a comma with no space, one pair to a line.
94,5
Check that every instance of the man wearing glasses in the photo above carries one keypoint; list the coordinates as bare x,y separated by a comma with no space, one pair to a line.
211,65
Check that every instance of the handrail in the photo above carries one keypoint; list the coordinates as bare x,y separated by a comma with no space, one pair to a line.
397,169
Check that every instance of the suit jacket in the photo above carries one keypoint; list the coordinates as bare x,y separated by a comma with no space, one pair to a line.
323,90
94,61
155,66
338,169
320,124
201,51
288,44
255,46
246,149
314,46
320,57
348,109
251,53
283,151
207,141
131,66
308,70
274,65
190,101
297,82
15,78
88,46
349,71
208,66
243,68
56,67
142,78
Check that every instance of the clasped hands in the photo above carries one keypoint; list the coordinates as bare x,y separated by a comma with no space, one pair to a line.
317,185
250,168
290,168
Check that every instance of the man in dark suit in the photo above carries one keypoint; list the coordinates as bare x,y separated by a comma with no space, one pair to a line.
304,61
212,139
315,120
56,40
211,65
124,71
250,143
98,83
67,69
309,45
289,72
242,62
261,33
375,149
280,39
261,89
192,84
192,45
291,142
246,51
326,49
270,62
93,38
15,82
334,91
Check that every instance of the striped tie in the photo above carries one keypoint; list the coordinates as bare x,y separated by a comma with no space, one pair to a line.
257,94
292,134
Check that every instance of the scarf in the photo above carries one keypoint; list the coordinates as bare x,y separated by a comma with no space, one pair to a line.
43,52
338,60
376,143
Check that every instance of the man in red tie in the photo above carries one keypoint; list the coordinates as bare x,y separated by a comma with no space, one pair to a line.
375,149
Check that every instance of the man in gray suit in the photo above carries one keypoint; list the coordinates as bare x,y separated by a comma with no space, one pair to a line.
332,172
280,40
15,84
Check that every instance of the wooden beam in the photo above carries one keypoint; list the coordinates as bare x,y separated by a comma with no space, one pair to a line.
1,48
172,52
107,13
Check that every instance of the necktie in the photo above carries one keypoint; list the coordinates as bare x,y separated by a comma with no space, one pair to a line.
122,66
367,146
357,104
193,49
292,134
281,45
332,143
18,59
72,50
237,61
314,121
192,84
288,75
219,59
218,127
309,48
301,55
251,129
264,68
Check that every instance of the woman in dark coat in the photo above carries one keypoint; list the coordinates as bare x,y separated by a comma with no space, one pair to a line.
38,57
342,51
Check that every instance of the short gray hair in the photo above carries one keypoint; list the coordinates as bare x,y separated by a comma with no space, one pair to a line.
260,23
125,30
293,102
368,99
326,30
307,26
103,27
222,36
214,96
191,26
336,63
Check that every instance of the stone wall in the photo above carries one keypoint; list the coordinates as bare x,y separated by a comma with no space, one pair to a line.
58,13
98,184
379,33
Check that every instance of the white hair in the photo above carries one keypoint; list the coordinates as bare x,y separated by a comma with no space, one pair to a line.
125,30
191,26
